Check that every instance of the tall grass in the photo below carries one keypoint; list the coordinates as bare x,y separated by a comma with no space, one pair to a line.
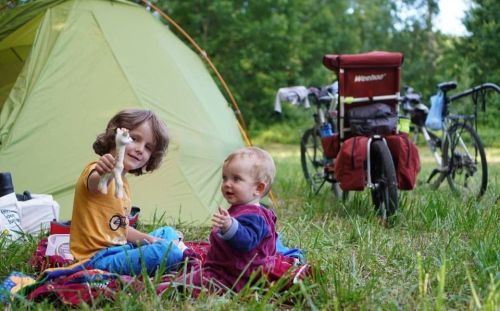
441,252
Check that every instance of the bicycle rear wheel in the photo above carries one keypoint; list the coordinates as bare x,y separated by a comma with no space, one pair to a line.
383,175
463,154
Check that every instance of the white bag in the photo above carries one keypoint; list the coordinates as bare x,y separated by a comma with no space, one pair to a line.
10,223
37,213
58,244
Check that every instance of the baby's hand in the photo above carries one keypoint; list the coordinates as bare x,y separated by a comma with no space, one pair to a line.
222,219
105,164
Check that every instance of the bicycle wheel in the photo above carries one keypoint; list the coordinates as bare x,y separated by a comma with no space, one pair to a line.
312,160
463,154
383,175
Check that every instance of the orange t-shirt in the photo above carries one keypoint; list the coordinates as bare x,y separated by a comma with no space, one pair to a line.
99,220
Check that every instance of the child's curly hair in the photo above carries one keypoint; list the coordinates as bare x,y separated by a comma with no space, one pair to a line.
130,119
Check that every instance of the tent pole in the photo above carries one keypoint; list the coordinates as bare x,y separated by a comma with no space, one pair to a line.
203,53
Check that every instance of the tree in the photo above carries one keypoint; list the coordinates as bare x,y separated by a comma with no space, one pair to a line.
419,43
481,50
260,46
482,47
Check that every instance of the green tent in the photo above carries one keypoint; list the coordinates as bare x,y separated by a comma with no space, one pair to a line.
66,67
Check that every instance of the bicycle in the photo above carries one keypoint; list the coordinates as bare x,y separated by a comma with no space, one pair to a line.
315,165
458,152
318,168
365,82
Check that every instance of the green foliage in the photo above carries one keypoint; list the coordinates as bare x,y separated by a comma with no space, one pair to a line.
261,46
481,48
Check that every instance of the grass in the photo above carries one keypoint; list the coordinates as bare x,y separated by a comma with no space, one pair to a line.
442,252
441,249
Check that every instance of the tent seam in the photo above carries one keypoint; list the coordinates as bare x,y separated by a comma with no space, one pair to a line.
116,58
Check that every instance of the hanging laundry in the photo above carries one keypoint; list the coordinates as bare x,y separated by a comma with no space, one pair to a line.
295,95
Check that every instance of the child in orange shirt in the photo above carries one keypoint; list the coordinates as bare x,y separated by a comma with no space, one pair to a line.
99,229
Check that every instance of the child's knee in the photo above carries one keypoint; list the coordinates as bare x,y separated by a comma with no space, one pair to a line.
167,233
163,252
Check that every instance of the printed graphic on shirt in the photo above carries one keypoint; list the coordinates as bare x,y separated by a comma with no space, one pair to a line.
117,221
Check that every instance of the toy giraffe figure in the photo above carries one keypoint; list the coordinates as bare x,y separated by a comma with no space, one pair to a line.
122,139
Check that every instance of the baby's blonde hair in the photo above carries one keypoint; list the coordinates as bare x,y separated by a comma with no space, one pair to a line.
263,168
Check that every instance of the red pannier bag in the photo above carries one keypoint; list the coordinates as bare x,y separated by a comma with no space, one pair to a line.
350,166
331,145
406,160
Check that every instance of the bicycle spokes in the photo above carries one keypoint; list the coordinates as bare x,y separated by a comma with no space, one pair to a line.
466,161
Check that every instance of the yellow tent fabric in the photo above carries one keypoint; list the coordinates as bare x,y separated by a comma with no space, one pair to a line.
88,60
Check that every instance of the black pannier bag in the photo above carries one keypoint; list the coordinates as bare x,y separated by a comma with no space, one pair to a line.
419,116
372,119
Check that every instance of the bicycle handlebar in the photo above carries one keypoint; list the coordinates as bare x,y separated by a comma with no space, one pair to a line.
484,86
415,98
480,90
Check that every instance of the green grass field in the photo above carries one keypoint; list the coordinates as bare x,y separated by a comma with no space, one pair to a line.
442,251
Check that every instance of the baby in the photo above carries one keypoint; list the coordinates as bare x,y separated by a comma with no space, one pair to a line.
243,238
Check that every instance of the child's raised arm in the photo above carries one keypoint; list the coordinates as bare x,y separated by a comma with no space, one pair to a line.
104,165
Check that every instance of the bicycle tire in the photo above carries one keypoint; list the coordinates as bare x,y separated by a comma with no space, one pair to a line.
313,163
383,176
312,160
463,154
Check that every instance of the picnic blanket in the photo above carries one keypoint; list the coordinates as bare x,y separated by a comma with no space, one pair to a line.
75,283
69,285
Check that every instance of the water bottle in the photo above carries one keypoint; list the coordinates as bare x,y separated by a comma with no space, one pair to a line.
326,130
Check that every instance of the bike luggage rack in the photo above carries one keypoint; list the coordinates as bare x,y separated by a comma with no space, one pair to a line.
365,78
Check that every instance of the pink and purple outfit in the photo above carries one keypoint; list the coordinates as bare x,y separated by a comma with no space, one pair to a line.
233,256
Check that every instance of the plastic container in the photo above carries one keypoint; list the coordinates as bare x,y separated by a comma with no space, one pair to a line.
6,186
326,130
404,125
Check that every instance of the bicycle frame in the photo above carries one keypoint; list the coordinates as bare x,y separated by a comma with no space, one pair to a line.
430,143
324,102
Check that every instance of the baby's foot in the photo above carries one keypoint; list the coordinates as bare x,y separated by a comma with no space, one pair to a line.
181,245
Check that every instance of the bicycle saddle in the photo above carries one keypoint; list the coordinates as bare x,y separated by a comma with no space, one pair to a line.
322,95
446,86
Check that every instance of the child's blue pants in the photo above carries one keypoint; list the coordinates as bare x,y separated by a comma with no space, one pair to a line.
130,259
